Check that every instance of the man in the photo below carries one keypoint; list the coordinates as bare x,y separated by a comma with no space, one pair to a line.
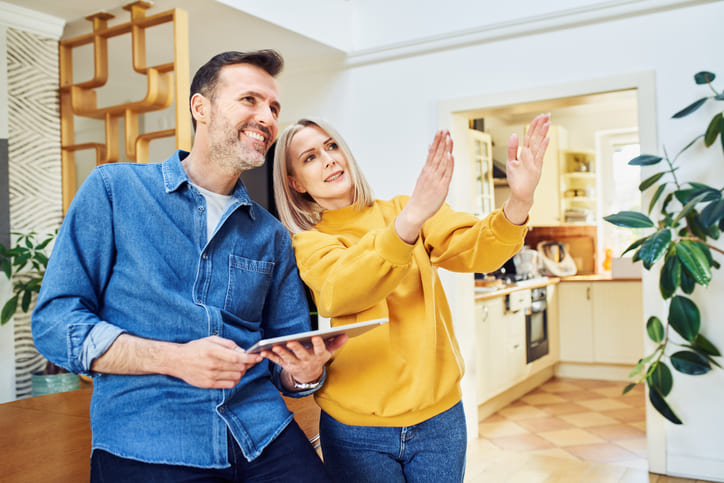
161,275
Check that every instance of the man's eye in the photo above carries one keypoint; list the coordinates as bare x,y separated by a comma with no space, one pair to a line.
275,112
249,99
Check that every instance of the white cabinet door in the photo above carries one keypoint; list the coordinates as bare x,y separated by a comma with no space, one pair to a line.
490,348
481,153
575,321
618,322
601,322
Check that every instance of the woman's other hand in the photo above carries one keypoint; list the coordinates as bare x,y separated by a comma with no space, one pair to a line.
430,190
524,167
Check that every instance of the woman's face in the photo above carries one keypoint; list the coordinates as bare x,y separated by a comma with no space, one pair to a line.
320,168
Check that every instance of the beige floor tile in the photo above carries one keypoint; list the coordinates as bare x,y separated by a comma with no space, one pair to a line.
616,432
523,442
596,383
543,398
500,429
610,391
600,452
638,446
636,463
628,415
554,453
603,404
604,473
564,408
579,396
523,412
559,386
640,425
571,437
632,475
493,418
588,419
539,425
570,472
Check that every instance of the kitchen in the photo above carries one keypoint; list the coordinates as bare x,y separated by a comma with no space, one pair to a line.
590,316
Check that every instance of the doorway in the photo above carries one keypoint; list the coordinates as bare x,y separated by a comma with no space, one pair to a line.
456,114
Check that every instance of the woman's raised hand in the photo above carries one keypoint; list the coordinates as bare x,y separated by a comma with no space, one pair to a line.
524,167
430,189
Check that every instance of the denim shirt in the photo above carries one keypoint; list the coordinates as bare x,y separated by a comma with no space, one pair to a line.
132,256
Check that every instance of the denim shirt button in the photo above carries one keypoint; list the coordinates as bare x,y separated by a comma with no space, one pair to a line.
201,209
222,409
205,256
215,332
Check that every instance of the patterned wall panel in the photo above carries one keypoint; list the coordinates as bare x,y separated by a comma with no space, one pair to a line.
34,162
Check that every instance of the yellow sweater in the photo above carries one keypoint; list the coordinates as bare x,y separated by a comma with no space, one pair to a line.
408,370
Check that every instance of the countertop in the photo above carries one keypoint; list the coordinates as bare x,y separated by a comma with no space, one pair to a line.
487,293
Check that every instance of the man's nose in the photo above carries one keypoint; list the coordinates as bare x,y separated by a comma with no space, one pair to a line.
265,116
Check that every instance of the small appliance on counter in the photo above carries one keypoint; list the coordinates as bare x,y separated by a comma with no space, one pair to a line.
555,259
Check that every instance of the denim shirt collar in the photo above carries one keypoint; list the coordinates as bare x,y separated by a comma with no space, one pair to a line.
174,177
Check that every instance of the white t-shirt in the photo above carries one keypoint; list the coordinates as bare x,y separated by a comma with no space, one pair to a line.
216,205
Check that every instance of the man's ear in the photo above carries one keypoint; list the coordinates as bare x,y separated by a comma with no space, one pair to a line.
199,108
295,185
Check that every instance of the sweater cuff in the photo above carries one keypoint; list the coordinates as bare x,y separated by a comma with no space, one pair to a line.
392,247
506,231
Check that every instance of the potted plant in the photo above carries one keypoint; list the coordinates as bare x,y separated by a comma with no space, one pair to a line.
24,265
688,216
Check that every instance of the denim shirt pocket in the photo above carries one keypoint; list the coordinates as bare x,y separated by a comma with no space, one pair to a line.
249,282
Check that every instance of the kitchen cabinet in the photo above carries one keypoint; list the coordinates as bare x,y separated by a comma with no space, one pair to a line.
601,322
481,154
546,210
578,186
500,343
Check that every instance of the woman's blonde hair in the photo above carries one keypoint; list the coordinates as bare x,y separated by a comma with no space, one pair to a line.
298,211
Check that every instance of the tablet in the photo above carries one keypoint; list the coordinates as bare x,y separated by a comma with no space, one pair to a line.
305,338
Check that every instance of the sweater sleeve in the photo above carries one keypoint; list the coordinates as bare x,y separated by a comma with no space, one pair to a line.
347,278
460,242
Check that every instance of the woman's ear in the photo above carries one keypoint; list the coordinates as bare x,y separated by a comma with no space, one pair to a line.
295,185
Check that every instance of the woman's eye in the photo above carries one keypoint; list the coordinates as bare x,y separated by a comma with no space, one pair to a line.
309,158
332,146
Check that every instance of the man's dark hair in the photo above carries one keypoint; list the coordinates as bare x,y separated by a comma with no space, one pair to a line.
206,77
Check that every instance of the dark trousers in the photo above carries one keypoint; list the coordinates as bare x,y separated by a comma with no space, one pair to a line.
289,457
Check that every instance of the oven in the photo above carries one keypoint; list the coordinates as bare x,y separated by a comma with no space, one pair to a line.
536,326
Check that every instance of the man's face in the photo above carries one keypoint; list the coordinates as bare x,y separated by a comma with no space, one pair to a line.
243,116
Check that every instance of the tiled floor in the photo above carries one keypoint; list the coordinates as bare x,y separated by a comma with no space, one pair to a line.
566,430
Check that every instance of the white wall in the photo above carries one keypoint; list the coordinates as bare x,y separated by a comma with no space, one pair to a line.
389,115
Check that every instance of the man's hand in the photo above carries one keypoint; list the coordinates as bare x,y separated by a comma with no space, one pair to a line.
305,365
211,362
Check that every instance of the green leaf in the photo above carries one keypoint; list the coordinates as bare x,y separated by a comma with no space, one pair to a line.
628,387
690,206
670,277
634,245
656,196
25,302
688,284
691,363
661,378
645,160
660,404
712,213
9,309
630,219
704,77
655,329
707,253
684,317
713,130
645,184
690,108
695,262
704,345
655,247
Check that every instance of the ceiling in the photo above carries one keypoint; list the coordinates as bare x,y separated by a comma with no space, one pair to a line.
213,27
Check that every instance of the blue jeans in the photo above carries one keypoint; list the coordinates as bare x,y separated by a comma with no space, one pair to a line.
289,457
432,451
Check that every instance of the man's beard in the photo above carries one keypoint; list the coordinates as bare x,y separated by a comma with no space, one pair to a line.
229,151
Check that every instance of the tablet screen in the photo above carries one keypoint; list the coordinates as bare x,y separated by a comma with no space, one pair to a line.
305,338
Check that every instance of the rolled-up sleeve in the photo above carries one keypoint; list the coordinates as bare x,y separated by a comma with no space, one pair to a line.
65,323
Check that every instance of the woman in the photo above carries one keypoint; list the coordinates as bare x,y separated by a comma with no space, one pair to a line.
391,406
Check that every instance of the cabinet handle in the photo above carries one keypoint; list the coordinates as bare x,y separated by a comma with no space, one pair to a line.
485,314
588,293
